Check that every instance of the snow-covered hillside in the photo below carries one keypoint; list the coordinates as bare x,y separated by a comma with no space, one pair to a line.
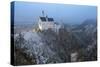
66,45
35,46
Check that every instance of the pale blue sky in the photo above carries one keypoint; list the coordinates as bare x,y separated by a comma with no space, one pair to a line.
28,12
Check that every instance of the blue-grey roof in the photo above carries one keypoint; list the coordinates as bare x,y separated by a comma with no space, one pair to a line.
50,19
44,19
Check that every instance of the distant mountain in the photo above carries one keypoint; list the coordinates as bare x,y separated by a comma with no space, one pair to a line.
87,25
86,32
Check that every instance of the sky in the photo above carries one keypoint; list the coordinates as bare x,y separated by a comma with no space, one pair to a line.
29,12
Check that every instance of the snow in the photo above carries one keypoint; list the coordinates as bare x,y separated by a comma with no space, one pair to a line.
32,35
74,56
35,46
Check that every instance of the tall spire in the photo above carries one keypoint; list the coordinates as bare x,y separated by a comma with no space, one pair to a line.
43,13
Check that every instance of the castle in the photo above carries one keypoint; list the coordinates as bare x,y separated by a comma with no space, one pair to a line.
45,23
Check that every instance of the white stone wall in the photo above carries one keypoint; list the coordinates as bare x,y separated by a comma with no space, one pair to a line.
46,25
